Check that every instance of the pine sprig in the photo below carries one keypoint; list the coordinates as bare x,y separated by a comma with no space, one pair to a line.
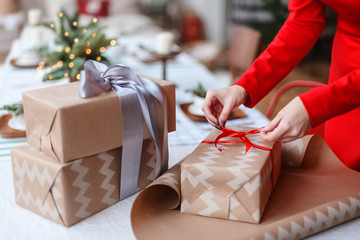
78,44
16,108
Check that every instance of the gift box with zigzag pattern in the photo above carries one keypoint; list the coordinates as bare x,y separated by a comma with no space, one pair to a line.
68,193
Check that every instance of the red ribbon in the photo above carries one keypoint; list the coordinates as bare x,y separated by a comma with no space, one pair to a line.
226,132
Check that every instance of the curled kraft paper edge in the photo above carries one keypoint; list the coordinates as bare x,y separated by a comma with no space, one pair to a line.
155,213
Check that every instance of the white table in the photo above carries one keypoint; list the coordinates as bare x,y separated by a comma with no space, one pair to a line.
113,222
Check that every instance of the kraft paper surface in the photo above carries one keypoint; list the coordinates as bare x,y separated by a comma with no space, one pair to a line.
67,193
66,127
230,184
319,193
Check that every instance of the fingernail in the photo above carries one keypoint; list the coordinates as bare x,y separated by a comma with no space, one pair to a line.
217,127
215,123
222,123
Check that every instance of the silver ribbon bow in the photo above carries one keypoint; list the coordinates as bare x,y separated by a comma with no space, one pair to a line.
136,96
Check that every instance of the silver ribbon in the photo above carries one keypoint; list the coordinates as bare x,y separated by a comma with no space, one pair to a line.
136,96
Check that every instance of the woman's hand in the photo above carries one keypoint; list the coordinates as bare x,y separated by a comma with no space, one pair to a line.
291,123
219,103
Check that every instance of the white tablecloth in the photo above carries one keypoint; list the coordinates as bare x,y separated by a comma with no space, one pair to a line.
113,222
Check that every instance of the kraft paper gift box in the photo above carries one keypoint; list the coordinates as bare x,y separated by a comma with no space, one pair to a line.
230,184
66,127
68,193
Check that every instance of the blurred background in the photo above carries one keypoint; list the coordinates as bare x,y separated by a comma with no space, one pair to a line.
224,36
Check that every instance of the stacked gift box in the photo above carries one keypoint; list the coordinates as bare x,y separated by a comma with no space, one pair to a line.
71,167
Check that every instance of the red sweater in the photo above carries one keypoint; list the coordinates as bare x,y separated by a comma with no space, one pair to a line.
338,103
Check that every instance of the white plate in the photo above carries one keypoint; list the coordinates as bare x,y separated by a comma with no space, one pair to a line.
15,125
194,109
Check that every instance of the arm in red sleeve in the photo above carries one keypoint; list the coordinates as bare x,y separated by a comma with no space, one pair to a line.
294,40
328,101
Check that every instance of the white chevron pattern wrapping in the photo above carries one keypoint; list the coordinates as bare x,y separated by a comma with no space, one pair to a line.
205,174
80,198
252,186
332,217
239,179
20,171
33,173
209,155
233,204
57,195
152,161
105,170
243,163
44,208
169,178
211,205
184,205
202,167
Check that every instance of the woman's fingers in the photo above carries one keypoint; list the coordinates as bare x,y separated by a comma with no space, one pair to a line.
274,135
290,123
219,103
225,114
207,109
272,125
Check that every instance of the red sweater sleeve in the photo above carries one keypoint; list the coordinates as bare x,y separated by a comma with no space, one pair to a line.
341,96
294,40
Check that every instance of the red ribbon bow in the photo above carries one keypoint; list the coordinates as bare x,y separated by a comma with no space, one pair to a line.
226,132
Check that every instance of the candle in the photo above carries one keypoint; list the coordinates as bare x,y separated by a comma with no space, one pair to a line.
34,16
36,35
164,42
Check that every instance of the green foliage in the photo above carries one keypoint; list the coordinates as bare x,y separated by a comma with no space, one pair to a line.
77,44
16,108
199,91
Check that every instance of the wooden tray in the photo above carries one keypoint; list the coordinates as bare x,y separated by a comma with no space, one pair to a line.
235,113
7,131
14,63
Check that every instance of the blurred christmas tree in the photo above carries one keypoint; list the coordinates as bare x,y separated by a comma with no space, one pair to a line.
76,45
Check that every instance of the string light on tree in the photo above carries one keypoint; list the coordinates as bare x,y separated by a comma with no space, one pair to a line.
76,45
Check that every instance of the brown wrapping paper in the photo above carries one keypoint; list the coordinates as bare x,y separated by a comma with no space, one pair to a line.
317,195
67,193
66,127
230,184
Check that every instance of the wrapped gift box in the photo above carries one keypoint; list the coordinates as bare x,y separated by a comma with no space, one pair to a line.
66,127
230,184
67,193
